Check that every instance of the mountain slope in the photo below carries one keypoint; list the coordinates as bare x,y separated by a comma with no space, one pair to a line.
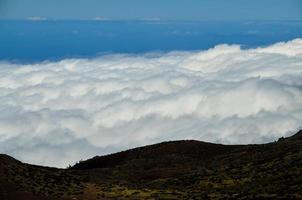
169,170
160,154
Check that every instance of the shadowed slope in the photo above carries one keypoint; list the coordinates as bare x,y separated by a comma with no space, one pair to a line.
169,170
178,150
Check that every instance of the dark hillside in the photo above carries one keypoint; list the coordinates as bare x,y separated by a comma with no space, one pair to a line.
167,152
169,170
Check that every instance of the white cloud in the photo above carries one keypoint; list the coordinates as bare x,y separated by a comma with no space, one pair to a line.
151,19
55,113
102,19
36,18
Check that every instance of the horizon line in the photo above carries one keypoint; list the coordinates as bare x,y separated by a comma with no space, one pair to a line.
41,19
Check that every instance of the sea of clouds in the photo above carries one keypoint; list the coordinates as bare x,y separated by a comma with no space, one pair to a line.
56,113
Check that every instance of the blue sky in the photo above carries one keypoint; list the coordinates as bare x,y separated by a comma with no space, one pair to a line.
145,9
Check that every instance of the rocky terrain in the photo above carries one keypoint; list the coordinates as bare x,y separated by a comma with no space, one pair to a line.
169,170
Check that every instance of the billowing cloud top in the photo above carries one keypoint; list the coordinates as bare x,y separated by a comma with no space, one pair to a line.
55,113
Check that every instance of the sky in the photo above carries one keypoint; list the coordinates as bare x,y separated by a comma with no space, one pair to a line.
57,112
155,9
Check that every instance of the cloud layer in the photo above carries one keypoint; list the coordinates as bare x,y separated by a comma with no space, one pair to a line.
55,113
